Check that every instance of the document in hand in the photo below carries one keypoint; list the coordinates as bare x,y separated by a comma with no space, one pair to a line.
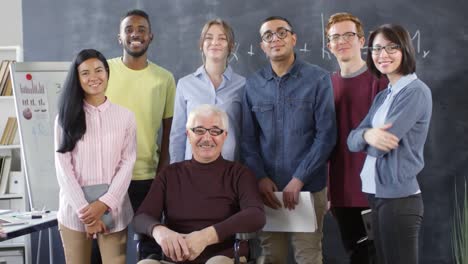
301,219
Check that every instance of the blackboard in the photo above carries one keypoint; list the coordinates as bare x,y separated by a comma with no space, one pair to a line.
36,86
55,30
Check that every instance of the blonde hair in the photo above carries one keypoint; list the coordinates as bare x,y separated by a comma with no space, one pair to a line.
226,28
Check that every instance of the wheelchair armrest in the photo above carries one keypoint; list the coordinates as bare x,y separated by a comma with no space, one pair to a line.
239,238
137,237
246,236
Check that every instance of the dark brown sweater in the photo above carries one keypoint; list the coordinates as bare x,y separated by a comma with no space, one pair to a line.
194,195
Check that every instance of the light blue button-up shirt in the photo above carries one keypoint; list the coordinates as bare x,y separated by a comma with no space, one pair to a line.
197,88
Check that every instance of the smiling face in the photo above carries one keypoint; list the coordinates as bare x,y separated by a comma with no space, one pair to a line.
345,51
206,148
386,63
135,35
215,43
278,49
93,79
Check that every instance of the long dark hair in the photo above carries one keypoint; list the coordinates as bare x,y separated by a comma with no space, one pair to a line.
71,115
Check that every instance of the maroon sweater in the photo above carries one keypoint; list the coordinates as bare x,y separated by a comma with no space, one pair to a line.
194,195
353,98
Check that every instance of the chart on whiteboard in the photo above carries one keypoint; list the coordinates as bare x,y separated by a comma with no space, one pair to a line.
34,99
37,87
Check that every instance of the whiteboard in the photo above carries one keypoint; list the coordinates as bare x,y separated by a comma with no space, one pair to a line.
36,88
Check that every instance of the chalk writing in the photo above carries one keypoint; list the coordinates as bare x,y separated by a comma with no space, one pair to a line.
234,53
250,52
304,49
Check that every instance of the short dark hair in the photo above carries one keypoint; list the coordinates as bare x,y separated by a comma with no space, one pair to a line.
278,18
71,115
400,36
137,12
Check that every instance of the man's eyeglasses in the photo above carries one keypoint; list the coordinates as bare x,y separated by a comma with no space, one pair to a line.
281,33
345,36
390,49
213,131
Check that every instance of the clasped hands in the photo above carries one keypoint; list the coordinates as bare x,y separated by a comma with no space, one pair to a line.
182,247
91,215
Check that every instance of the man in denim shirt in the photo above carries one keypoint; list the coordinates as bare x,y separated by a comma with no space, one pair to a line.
288,132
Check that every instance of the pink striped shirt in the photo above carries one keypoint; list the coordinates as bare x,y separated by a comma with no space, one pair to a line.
105,154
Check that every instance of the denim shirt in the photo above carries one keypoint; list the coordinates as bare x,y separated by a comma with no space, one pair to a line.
288,125
196,89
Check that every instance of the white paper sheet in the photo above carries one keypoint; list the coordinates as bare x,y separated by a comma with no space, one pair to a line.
301,219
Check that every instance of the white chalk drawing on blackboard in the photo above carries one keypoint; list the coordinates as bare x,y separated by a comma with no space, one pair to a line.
304,49
250,52
326,54
416,36
324,44
234,53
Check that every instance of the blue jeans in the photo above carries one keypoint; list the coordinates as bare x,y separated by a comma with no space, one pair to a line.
396,223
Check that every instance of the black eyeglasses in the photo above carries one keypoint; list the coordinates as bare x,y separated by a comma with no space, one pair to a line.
213,131
281,33
345,36
390,49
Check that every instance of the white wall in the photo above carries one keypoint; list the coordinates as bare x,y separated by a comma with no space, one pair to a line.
11,19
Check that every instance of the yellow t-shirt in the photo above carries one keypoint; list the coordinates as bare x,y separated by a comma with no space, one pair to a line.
149,93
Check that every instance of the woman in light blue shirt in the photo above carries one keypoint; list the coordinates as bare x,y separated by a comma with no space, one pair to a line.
393,135
212,83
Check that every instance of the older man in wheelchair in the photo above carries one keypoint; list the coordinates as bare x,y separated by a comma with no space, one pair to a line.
205,200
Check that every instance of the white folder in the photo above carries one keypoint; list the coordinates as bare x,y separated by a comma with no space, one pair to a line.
301,219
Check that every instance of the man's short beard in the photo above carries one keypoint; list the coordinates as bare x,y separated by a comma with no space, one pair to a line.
136,54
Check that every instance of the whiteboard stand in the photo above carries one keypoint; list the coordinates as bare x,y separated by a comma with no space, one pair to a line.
36,87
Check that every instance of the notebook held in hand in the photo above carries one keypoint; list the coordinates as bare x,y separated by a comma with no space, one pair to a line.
92,193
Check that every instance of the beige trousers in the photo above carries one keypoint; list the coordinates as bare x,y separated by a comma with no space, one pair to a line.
213,260
77,247
307,246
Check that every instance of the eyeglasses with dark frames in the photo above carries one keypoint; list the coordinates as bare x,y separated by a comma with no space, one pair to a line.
281,33
390,49
214,131
347,36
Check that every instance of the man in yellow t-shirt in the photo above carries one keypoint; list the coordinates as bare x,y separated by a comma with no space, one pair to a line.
148,90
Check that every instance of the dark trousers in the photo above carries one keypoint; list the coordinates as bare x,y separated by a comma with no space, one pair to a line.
396,223
137,192
352,229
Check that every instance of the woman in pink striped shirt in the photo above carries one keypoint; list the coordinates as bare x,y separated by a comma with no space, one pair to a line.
96,144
